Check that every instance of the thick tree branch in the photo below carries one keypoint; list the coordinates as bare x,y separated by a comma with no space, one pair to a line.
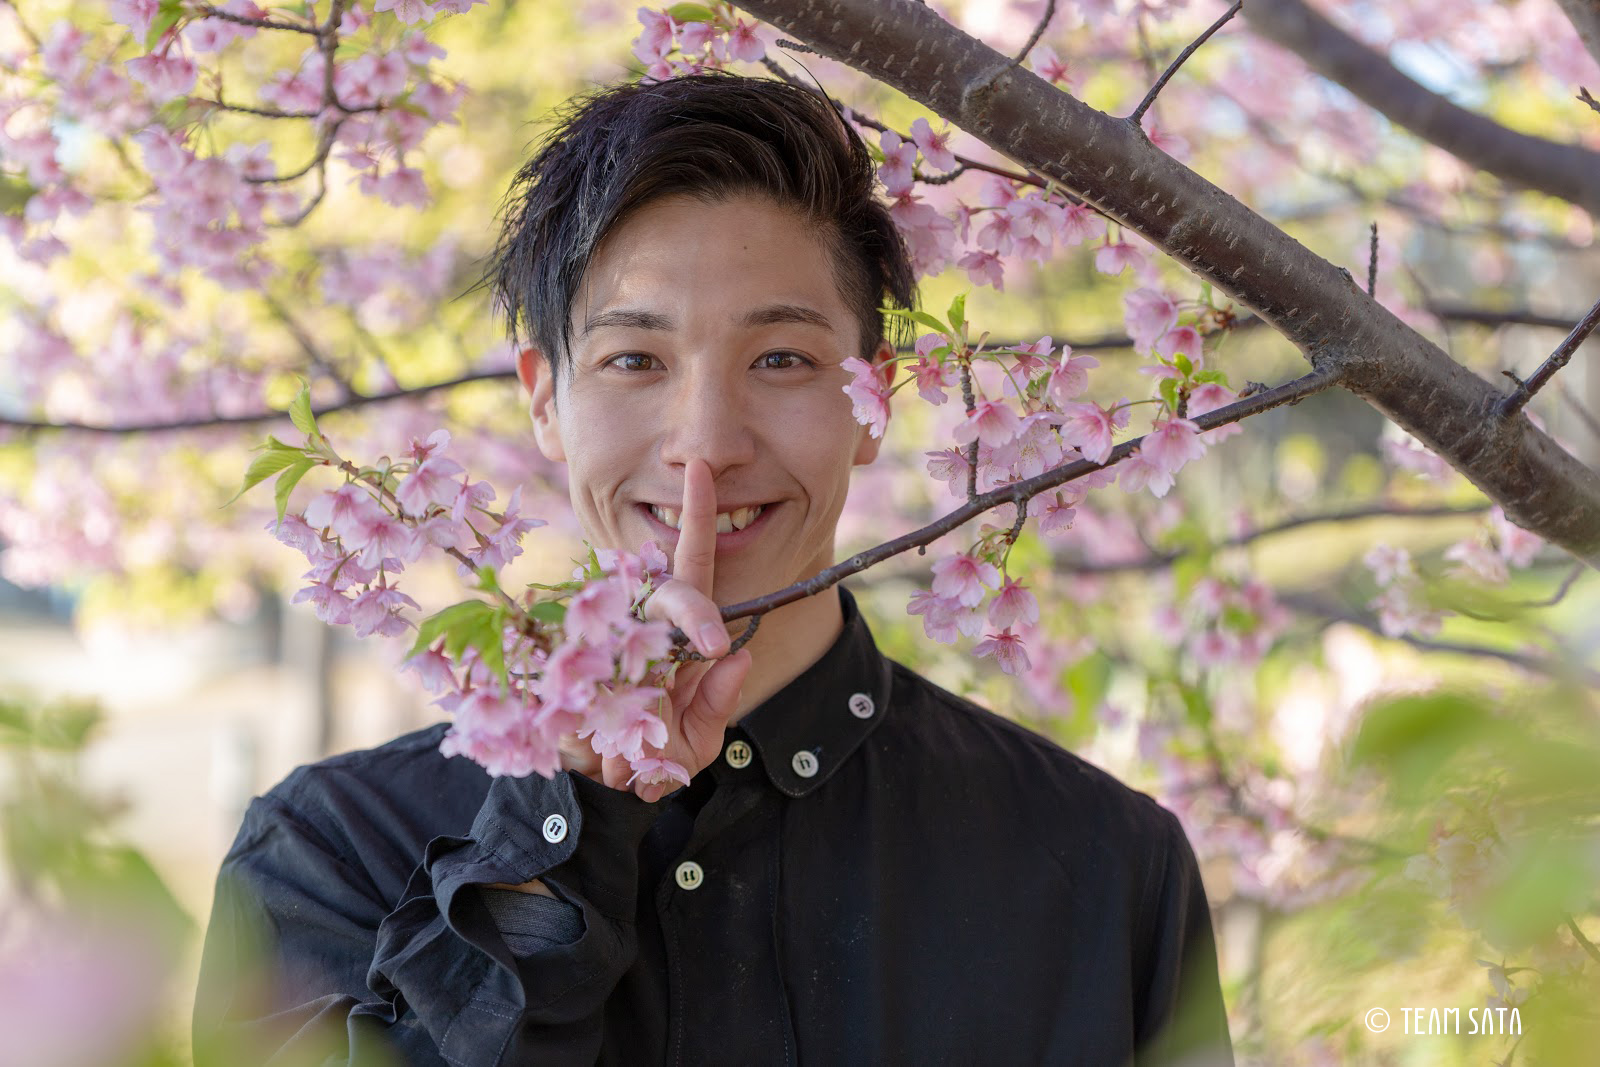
1560,170
1315,304
1585,18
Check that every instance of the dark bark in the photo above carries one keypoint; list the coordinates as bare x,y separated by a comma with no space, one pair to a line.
1566,171
1318,306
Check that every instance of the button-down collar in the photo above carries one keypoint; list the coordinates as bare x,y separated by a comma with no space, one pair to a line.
815,722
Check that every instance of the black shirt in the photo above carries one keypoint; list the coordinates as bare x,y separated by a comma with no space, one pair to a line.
874,871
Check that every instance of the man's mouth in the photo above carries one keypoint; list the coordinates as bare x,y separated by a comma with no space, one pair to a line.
727,521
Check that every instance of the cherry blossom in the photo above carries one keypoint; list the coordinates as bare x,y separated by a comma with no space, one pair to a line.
1089,427
899,161
1006,648
935,147
962,578
869,394
1171,443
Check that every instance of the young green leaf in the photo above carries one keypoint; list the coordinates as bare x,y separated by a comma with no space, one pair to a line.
690,13
958,314
264,466
300,411
287,481
167,16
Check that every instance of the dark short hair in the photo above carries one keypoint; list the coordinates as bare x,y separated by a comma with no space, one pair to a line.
709,136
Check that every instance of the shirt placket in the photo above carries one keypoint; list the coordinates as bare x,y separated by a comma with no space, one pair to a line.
716,906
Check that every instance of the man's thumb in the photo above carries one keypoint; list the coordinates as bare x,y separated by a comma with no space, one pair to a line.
722,685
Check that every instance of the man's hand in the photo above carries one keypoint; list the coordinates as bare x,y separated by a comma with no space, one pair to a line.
702,696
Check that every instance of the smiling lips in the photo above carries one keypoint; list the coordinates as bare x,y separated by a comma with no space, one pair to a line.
727,521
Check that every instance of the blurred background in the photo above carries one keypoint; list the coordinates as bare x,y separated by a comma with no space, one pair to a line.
1386,764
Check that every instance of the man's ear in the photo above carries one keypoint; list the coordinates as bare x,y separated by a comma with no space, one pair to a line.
867,445
533,370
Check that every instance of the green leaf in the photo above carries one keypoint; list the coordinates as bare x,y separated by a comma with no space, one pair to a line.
958,313
448,622
166,17
690,13
1215,376
922,318
265,465
15,194
551,611
288,480
300,411
1088,681
1196,705
1414,738
488,581
1183,363
1169,392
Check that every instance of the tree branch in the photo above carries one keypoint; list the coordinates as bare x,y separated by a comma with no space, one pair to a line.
1560,170
1166,559
1547,370
1166,75
1310,605
1019,492
1038,31
1315,304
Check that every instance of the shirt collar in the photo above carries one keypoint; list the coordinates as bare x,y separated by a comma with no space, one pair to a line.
806,730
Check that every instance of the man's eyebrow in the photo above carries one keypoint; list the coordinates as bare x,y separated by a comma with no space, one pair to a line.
775,314
627,318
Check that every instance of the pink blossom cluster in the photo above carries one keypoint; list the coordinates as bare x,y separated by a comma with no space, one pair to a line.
595,675
1401,603
668,47
1499,546
1224,622
358,538
211,207
601,683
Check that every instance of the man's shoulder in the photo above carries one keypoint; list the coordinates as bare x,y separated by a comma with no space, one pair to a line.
949,737
403,788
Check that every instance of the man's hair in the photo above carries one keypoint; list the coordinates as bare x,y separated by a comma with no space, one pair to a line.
709,136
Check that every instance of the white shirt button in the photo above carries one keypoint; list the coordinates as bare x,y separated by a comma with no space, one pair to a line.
861,706
804,763
689,875
738,754
555,828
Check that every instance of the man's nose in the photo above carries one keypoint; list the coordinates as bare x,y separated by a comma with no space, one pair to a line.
707,418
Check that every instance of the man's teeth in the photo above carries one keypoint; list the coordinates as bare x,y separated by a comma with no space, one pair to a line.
727,521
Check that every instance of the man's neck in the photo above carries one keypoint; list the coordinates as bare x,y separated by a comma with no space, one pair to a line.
790,640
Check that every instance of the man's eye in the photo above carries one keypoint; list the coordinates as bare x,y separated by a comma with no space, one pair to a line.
791,360
629,361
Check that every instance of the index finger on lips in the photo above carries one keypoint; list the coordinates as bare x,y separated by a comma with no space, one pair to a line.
696,555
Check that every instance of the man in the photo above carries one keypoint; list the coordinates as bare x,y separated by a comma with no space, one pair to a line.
865,868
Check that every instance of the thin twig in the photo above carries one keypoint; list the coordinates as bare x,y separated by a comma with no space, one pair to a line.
1583,94
1588,420
972,450
1588,946
1291,392
1038,32
1372,263
1561,590
261,24
1150,97
1525,391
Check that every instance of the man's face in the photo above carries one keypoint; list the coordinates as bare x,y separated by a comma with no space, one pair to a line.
713,331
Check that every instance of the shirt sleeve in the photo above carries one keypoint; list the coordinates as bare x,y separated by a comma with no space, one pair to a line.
306,963
1183,1021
